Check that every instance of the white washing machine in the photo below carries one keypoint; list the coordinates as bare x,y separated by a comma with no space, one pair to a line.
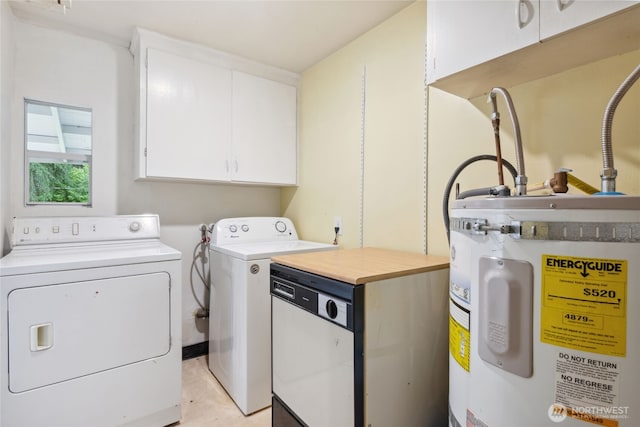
90,324
240,306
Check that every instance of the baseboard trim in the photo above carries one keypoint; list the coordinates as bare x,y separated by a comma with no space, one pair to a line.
195,350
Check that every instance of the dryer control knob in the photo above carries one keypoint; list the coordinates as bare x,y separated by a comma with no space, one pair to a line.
233,228
134,226
245,227
281,226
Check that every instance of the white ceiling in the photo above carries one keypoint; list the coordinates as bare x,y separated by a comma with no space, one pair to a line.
290,34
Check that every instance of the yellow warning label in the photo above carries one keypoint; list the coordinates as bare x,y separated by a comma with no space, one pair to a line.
459,336
591,418
584,304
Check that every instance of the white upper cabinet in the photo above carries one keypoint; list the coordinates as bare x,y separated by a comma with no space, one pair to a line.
207,116
467,33
188,118
559,16
264,130
473,46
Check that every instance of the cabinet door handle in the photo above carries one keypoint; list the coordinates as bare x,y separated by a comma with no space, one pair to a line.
562,5
526,5
236,162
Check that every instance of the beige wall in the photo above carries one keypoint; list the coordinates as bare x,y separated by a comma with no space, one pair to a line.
330,140
560,118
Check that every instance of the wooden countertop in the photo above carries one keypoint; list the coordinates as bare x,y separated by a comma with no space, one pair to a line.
363,265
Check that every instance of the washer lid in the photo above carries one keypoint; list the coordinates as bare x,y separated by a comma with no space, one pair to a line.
51,257
261,250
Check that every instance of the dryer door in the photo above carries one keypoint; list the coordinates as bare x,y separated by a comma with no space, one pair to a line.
65,331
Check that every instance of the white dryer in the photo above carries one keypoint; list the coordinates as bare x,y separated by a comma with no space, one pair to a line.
90,324
240,305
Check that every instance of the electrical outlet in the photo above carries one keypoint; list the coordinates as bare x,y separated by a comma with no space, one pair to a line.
337,222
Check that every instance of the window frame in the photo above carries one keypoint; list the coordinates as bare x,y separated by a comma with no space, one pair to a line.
30,155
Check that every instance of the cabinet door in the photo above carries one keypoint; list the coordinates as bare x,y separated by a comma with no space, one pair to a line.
461,34
264,130
188,118
558,16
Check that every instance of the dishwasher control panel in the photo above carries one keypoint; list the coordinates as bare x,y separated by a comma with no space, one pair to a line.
295,294
332,309
315,295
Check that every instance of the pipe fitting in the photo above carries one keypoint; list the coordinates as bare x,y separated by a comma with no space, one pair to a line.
608,180
609,173
521,185
559,182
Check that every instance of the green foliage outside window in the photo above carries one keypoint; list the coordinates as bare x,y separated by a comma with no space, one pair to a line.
58,182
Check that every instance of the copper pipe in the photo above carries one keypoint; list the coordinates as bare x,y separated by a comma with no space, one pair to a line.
496,134
521,179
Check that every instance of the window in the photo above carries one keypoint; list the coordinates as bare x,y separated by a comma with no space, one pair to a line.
57,154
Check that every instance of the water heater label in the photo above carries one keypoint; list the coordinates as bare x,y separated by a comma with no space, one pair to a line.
587,387
584,304
459,336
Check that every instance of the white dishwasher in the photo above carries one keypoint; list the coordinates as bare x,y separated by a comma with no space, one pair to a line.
372,354
317,350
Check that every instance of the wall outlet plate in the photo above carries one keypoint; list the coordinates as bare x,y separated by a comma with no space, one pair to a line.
337,222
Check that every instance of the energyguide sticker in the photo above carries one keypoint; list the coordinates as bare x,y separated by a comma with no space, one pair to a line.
459,336
584,304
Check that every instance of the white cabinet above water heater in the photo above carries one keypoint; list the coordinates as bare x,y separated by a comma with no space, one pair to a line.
207,116
473,46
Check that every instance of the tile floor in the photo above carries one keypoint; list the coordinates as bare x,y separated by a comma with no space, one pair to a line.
206,403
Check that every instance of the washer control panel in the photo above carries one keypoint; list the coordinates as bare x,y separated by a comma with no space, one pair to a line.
281,226
48,230
252,230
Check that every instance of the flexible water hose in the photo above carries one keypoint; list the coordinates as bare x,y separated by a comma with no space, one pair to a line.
609,173
204,275
454,176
